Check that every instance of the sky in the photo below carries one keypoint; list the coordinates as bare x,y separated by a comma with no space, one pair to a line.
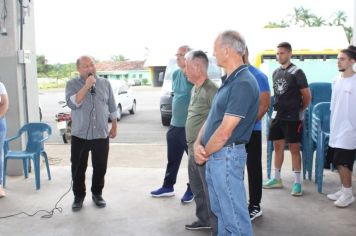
67,29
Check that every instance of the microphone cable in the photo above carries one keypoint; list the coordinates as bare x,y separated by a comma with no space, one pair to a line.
48,214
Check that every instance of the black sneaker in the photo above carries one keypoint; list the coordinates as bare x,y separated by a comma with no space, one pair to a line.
197,225
255,211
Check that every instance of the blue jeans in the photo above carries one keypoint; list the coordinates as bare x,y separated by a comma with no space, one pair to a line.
2,140
225,179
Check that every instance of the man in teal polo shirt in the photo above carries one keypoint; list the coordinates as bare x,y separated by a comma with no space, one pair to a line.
176,140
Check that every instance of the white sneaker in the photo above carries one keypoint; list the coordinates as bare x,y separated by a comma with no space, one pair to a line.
344,200
335,196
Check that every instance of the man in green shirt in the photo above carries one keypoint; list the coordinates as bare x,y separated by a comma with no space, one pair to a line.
201,99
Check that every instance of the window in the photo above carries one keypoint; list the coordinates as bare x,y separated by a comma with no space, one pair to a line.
134,76
140,76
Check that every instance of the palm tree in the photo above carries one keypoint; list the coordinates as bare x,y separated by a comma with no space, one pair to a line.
349,33
296,15
318,21
306,17
340,18
302,17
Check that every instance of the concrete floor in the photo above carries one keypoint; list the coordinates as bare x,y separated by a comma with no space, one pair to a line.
134,171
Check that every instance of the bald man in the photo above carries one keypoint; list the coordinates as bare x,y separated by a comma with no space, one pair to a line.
92,102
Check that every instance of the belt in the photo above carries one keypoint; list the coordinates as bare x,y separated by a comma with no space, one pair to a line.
233,144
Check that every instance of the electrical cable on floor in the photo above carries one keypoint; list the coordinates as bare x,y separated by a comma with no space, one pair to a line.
48,214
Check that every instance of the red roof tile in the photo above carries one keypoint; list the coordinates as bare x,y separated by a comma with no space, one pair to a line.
119,65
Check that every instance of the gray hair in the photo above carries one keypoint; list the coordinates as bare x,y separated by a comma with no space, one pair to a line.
187,48
200,55
233,40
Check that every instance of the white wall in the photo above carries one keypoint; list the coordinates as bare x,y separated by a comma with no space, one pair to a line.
12,73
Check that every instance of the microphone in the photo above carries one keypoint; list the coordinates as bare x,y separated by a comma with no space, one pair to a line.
92,89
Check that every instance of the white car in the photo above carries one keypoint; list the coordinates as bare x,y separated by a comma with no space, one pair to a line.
124,97
134,82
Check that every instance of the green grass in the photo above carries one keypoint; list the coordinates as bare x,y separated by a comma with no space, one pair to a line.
50,86
51,83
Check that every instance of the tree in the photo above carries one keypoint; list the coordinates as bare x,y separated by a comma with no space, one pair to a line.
349,32
339,18
282,24
318,21
66,70
119,57
43,69
297,15
304,18
58,71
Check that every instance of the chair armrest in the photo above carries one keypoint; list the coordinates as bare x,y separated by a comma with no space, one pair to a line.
6,147
8,140
12,138
44,139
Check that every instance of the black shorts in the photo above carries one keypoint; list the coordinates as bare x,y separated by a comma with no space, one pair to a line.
343,157
290,131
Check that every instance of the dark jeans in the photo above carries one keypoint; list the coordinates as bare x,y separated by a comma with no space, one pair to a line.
254,167
176,145
79,157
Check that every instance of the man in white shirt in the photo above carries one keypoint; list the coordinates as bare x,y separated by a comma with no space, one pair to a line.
342,142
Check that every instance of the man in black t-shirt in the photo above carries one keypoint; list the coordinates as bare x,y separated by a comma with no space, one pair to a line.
292,96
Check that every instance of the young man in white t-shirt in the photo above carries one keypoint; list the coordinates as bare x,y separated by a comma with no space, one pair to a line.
342,142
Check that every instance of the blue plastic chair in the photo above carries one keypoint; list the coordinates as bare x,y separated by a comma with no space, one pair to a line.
269,143
321,92
36,133
320,136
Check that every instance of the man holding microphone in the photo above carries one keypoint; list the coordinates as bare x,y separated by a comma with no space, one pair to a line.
92,102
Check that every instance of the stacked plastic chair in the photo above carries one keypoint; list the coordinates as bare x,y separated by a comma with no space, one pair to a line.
269,143
36,134
321,92
320,132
